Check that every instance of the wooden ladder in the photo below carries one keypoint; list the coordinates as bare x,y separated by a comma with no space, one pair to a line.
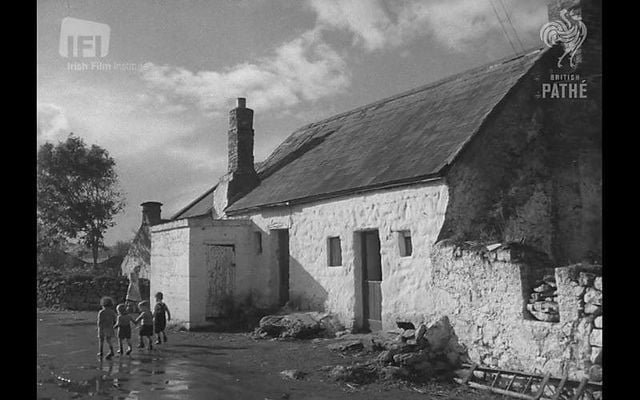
518,384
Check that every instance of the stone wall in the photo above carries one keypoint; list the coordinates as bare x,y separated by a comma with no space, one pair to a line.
580,298
485,295
78,292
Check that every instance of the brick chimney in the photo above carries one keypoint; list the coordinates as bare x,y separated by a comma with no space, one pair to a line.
243,176
151,213
589,56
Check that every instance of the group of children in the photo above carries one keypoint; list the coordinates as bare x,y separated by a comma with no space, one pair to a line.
152,322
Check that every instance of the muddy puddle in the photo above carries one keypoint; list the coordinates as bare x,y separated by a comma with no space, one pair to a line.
131,378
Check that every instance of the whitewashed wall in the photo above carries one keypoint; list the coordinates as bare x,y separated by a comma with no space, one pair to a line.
315,285
179,262
169,272
179,267
219,232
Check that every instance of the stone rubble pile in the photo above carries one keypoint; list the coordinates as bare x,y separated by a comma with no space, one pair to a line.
543,304
421,353
301,325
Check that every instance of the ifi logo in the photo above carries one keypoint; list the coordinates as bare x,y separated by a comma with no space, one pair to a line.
570,32
81,38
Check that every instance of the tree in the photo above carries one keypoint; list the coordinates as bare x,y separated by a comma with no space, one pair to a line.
120,249
78,192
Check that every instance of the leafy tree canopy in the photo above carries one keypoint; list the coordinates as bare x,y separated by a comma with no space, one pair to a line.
78,192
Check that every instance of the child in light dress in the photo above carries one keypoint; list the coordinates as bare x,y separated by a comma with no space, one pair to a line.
106,321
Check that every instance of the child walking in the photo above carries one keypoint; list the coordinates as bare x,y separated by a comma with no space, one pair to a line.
106,320
146,330
123,323
160,315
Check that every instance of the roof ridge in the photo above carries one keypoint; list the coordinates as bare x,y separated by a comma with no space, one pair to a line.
188,206
424,87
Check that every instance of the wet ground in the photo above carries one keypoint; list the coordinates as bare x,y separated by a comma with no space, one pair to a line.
202,365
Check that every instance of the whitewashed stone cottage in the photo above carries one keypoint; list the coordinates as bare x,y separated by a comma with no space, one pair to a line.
364,214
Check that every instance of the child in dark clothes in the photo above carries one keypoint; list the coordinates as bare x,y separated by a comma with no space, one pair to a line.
123,323
160,315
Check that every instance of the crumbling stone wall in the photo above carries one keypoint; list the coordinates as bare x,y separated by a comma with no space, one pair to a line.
484,293
79,292
580,299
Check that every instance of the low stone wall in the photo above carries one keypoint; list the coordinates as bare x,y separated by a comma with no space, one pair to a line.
81,292
485,292
580,300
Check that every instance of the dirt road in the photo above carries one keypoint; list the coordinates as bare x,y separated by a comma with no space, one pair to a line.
202,365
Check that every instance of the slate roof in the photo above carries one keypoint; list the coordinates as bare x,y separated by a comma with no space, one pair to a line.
200,206
203,204
401,139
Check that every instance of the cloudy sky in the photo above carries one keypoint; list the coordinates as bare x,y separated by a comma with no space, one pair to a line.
164,118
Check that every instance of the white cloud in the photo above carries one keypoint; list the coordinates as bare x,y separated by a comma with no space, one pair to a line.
377,24
305,68
53,124
124,121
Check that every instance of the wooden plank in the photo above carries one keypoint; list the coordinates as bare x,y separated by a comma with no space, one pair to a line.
468,377
578,394
374,299
495,380
545,380
501,391
559,388
526,386
509,372
511,382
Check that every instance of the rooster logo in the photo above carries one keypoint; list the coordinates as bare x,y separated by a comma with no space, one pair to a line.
570,31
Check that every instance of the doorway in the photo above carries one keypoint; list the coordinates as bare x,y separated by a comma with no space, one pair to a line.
221,274
371,280
282,256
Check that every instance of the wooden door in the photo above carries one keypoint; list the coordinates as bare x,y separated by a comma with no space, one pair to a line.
221,271
372,279
282,253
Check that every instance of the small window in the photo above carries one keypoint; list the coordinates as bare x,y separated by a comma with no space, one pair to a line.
335,252
404,239
257,238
